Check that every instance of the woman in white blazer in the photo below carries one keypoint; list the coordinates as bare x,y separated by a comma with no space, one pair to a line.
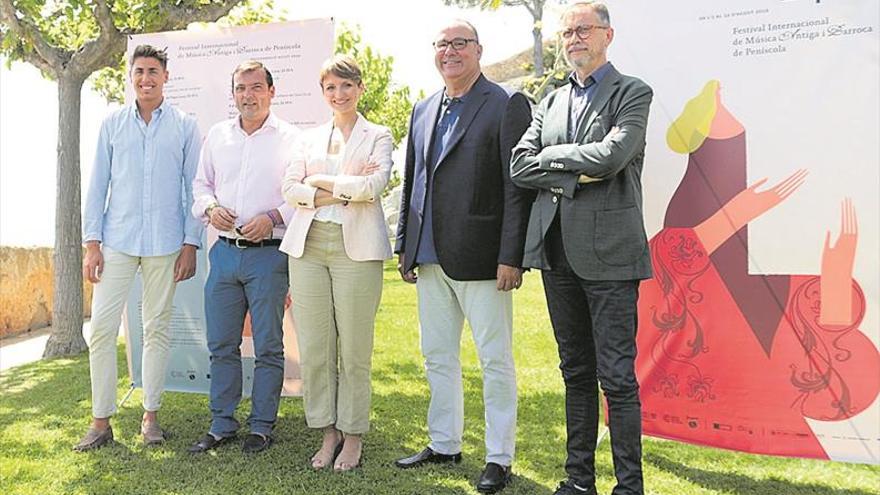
337,241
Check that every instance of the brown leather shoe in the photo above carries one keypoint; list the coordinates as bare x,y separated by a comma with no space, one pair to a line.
94,439
153,435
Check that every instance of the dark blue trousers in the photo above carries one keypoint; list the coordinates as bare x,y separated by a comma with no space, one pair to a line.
239,280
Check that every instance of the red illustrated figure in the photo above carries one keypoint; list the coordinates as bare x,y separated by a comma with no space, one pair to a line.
734,360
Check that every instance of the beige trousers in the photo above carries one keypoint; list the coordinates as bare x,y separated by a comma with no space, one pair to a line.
108,300
335,301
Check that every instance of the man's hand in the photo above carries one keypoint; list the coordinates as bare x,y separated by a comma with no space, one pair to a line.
586,179
185,266
222,219
612,132
409,277
257,229
508,277
93,263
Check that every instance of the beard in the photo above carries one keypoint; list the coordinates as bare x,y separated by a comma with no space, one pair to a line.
579,60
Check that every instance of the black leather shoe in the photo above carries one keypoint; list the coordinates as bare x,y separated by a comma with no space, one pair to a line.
494,478
425,457
569,487
207,443
256,442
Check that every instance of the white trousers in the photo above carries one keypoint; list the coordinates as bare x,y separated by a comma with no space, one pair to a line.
108,300
444,303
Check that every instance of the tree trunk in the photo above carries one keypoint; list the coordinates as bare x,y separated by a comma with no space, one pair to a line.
67,307
538,46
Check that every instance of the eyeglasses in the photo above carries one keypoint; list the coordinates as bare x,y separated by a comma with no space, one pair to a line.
583,31
456,43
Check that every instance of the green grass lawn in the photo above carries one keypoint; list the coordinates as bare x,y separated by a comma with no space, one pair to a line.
44,409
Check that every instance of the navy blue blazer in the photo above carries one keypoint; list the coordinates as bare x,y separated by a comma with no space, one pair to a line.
479,216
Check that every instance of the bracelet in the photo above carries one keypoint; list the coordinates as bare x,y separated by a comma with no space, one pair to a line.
275,217
209,208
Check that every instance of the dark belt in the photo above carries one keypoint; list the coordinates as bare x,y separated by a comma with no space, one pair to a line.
244,243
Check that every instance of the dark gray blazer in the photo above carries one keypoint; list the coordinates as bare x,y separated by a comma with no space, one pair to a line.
479,216
602,226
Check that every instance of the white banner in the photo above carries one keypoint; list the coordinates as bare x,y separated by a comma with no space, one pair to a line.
200,63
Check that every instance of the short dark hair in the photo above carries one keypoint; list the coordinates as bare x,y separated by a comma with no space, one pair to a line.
251,66
149,51
343,66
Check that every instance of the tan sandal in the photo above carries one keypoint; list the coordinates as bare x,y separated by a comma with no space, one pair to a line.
345,462
323,457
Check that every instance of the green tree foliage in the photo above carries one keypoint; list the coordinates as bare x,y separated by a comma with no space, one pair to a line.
554,77
383,102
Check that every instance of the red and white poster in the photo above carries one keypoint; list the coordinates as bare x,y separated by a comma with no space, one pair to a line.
759,331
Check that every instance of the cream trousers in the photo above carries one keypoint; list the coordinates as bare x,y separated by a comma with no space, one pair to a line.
108,300
335,301
444,304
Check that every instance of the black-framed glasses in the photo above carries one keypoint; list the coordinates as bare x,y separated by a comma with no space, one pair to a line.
583,31
455,43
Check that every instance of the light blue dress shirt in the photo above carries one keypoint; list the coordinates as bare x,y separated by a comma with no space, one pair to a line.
140,193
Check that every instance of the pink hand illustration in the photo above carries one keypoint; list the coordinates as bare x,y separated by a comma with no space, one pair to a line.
749,204
837,267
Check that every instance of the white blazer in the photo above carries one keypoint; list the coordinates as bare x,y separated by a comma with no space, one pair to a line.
363,221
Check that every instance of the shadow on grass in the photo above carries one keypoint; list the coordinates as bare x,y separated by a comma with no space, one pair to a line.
741,484
403,407
44,408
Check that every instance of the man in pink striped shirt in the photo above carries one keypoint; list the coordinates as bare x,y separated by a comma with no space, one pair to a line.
237,190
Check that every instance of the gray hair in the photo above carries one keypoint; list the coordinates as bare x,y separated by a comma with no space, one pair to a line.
599,8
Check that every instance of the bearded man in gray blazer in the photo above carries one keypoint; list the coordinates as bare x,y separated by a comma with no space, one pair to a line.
583,153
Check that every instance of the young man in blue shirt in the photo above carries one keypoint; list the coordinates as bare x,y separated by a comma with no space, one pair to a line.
137,216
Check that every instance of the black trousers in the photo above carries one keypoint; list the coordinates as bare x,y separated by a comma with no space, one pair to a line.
595,327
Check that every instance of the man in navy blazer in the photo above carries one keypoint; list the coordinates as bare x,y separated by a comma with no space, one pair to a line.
460,238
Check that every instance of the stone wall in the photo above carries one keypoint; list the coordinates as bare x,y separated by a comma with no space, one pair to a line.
26,289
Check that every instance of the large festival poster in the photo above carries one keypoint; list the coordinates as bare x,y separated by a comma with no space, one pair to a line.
200,65
759,331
